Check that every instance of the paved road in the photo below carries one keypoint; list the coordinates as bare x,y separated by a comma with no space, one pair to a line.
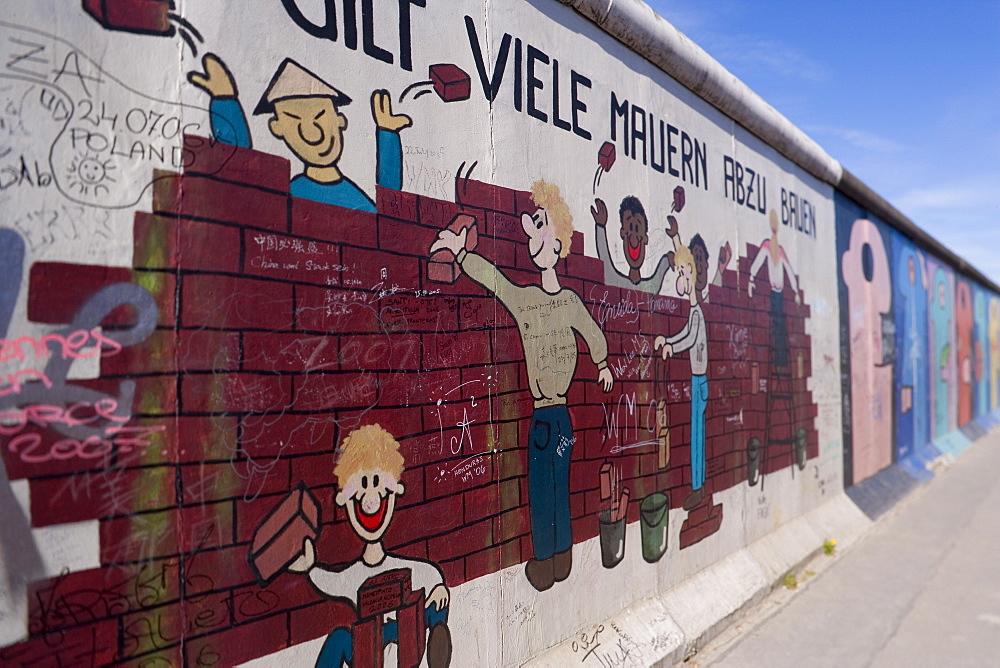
922,589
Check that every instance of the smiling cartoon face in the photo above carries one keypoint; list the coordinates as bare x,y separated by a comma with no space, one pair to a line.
311,127
368,479
634,231
544,245
369,497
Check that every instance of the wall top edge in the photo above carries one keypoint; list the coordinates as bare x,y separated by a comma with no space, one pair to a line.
637,26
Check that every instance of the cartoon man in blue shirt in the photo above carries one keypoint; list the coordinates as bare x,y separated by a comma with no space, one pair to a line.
305,114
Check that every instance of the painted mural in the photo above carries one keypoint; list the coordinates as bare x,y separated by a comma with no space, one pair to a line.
385,335
916,337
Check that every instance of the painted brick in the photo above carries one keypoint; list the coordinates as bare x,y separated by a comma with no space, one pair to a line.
437,517
278,352
57,291
379,352
466,540
485,196
511,524
264,436
229,302
242,479
482,563
364,270
251,512
91,495
458,476
505,226
205,438
587,268
407,238
455,350
320,392
318,620
235,393
454,572
149,630
314,470
162,242
139,538
409,313
81,597
338,545
286,591
212,570
205,156
88,644
438,213
240,643
326,222
291,259
163,288
205,198
396,203
482,312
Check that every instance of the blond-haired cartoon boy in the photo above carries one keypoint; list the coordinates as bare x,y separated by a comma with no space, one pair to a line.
368,475
548,319
694,338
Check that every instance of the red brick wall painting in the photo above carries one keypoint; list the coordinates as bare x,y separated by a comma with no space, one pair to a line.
260,338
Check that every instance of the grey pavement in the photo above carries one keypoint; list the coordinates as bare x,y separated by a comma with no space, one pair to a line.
921,589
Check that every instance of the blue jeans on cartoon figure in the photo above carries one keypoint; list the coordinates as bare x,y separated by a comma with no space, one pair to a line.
699,400
339,646
550,448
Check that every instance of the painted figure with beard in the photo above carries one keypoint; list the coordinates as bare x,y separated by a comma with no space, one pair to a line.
635,237
368,482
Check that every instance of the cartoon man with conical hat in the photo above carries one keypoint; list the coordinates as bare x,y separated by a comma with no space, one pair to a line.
305,114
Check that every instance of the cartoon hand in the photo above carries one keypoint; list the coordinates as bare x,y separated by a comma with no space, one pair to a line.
599,212
216,80
306,561
605,379
439,597
382,113
661,342
725,254
450,241
750,288
671,227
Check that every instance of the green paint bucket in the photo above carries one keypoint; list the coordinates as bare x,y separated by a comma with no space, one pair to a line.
653,517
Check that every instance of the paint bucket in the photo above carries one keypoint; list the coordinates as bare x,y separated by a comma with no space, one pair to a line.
753,461
653,517
612,539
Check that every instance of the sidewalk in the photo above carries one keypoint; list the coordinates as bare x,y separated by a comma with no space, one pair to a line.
922,589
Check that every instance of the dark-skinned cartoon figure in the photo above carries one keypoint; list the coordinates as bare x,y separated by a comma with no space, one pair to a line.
634,233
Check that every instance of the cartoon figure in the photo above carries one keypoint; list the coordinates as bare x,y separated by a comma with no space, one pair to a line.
368,480
306,116
635,237
693,337
548,318
699,250
778,267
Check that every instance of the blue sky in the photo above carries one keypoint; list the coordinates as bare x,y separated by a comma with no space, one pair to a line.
905,94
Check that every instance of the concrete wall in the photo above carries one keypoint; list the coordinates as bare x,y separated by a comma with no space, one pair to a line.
464,315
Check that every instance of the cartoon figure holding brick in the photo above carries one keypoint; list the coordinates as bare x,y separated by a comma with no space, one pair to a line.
306,115
410,592
548,317
693,338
